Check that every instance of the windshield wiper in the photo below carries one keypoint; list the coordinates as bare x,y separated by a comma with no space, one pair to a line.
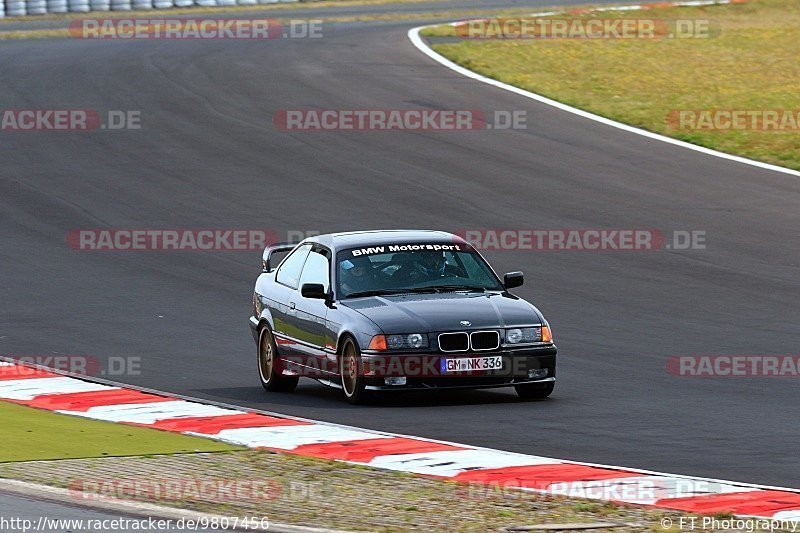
415,290
442,288
375,292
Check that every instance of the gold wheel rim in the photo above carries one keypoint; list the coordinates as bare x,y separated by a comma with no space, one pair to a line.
265,356
349,369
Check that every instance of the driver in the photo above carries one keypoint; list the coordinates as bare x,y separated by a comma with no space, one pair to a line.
356,274
430,266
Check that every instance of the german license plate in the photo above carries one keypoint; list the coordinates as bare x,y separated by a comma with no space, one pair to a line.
467,364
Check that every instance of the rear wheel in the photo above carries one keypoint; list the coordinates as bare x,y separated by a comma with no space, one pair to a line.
270,366
353,384
535,391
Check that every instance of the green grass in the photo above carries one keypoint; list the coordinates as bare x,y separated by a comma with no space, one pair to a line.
28,434
749,62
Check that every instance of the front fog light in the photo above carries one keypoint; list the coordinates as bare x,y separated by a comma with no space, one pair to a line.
395,381
538,373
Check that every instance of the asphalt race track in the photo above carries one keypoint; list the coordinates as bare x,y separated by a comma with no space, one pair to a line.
208,156
62,517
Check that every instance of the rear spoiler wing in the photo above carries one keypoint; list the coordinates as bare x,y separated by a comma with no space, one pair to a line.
275,248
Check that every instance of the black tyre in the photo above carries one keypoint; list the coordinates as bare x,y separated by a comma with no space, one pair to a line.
270,367
350,370
535,391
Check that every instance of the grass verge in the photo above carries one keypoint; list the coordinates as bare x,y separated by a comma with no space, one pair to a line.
30,434
748,62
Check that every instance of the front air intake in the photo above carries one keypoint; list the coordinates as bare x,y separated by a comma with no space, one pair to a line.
454,342
484,340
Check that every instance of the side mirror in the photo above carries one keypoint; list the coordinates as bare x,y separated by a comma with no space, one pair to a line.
513,279
314,290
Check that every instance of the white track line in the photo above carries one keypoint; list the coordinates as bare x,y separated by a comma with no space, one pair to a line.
417,41
290,437
150,413
450,463
28,389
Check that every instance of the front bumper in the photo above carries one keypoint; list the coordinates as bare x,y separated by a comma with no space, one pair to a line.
254,328
471,385
424,372
419,369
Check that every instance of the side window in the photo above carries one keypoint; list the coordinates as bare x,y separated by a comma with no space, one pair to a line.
289,271
317,269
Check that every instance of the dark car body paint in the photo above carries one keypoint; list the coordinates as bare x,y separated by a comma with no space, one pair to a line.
311,331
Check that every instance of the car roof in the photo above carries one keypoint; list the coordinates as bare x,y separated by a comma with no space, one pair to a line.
354,239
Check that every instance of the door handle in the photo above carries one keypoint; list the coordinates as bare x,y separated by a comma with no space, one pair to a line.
291,305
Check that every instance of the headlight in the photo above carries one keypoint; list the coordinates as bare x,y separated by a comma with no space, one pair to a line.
417,340
523,335
394,341
411,340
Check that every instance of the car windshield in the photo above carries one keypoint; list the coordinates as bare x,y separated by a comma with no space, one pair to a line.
412,268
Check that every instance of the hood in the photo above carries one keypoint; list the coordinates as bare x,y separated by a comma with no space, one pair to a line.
444,312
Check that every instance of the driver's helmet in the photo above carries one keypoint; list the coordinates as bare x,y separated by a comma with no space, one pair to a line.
432,264
356,273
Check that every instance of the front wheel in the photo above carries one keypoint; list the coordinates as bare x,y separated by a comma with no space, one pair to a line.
270,366
535,391
353,385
